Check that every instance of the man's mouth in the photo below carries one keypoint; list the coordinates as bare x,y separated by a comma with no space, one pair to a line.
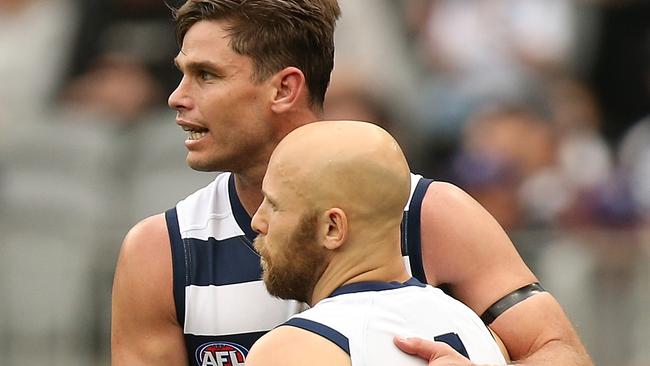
194,134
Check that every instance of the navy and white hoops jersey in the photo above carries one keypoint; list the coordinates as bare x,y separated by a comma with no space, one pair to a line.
362,319
221,301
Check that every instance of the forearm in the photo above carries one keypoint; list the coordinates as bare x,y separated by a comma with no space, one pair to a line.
555,353
538,332
441,354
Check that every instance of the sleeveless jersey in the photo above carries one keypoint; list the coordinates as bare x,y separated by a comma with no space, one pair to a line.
221,301
362,319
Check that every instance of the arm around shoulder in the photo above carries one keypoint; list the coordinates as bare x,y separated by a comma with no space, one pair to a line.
464,247
291,346
144,329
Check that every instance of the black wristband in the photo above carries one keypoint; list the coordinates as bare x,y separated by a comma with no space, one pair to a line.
509,301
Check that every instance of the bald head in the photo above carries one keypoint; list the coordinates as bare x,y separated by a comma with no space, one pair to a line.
334,196
355,166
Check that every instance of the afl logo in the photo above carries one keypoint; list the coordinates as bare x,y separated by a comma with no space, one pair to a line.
221,354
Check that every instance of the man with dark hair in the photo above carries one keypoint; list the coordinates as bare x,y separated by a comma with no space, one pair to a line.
187,287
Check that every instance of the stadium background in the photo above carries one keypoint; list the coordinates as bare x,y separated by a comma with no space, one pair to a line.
539,108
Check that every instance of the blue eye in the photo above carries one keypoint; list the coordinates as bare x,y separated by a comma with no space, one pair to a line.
205,76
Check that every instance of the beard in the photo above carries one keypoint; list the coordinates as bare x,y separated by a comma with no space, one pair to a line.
294,270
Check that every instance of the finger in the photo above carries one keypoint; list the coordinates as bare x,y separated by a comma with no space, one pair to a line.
427,350
407,345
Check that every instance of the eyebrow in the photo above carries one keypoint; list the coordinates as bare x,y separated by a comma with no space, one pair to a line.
269,198
198,65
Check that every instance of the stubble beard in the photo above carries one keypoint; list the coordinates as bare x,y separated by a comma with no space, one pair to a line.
294,275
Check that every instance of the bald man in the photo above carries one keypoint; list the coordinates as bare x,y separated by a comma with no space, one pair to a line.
329,235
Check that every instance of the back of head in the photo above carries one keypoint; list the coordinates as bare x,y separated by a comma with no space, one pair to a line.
355,166
275,34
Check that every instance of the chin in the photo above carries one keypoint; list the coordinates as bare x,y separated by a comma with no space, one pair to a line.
201,168
204,166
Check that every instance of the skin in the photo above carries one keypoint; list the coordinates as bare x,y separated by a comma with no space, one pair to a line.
352,175
437,353
292,346
481,265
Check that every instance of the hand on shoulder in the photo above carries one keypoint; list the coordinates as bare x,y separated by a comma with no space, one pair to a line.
436,353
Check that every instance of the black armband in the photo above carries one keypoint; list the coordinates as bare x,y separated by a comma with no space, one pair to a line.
509,301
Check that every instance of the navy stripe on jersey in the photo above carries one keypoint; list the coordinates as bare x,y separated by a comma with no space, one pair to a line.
403,236
454,341
178,263
212,262
241,216
322,330
411,230
374,286
221,262
195,344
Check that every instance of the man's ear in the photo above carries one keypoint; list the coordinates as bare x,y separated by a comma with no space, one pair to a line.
336,223
288,84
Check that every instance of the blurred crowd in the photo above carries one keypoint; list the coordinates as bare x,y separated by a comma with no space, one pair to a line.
540,109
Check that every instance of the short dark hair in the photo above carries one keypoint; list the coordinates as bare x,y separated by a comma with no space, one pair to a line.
275,34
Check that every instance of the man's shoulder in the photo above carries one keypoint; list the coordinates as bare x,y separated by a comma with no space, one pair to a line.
290,345
146,237
151,233
449,195
439,193
143,313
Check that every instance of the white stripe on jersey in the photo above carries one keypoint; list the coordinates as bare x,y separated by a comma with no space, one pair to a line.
207,213
250,309
415,178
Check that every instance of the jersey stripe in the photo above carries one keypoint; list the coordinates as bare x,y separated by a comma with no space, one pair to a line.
178,263
219,262
411,229
244,315
453,340
374,286
321,329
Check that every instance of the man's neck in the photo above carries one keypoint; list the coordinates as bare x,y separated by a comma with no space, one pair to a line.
249,192
353,271
248,184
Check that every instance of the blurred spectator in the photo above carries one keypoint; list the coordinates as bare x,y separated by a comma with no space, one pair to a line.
34,41
495,50
100,90
503,147
577,119
371,42
601,191
530,170
349,98
635,161
621,75
122,45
